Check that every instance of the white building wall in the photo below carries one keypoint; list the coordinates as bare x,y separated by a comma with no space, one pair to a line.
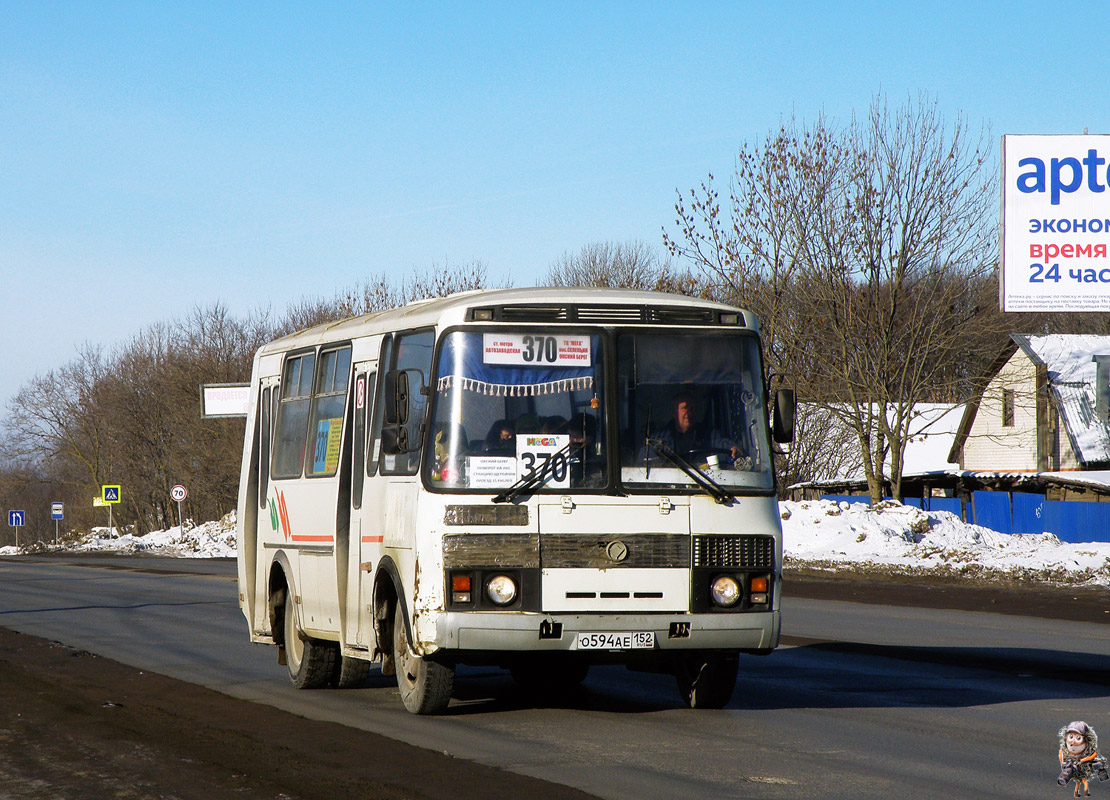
994,447
1067,460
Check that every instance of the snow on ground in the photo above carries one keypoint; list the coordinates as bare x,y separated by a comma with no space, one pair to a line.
894,538
817,534
209,540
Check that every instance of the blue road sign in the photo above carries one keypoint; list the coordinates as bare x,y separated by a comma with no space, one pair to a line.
110,494
16,519
57,510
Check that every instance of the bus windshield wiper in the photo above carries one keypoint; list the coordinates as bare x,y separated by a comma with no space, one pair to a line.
702,478
533,477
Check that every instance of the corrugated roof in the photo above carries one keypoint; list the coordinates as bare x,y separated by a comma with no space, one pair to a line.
1068,359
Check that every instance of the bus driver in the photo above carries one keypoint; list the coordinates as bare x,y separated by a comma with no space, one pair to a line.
684,435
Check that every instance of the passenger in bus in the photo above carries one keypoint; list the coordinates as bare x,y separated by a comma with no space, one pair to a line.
553,425
501,439
529,423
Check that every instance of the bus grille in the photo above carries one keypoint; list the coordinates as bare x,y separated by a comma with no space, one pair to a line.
535,313
469,550
600,314
680,316
757,552
595,551
609,314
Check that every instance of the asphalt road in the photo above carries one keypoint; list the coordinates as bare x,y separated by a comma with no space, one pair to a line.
864,699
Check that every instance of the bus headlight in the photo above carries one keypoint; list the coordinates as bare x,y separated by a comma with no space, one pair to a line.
501,590
725,591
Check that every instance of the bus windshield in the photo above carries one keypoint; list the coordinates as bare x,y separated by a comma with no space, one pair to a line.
689,413
692,400
507,402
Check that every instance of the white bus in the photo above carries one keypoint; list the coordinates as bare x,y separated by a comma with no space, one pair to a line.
540,479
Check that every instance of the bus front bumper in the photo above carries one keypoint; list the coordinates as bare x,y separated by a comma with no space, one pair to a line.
499,631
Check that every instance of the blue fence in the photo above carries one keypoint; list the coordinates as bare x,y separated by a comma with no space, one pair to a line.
1018,512
952,504
1077,522
992,510
1028,512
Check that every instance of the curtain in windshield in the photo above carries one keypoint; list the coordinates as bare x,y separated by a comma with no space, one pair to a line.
508,401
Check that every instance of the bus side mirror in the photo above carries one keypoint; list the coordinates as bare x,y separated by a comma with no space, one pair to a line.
782,425
395,440
398,435
396,397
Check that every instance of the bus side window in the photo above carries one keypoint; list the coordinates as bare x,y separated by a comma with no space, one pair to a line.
413,352
325,430
291,427
376,417
364,401
264,408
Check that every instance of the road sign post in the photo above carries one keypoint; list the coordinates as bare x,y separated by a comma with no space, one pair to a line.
57,512
17,519
110,494
179,493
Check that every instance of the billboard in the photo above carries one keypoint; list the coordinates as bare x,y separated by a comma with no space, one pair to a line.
1055,223
224,400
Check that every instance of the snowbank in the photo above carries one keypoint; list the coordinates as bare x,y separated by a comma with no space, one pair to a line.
210,540
891,537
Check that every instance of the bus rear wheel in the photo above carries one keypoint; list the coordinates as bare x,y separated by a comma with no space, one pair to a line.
425,685
310,662
706,680
350,673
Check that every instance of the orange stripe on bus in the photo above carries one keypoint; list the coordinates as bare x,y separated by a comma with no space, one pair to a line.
369,539
313,538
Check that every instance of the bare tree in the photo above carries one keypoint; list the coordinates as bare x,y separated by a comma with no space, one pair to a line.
52,419
823,448
380,292
628,265
132,417
751,253
862,247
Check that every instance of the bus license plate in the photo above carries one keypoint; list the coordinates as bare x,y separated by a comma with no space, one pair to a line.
638,640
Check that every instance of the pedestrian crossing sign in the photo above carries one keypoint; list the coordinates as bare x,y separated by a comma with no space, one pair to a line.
110,494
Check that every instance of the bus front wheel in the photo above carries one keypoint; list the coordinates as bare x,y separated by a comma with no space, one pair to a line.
707,680
311,662
425,685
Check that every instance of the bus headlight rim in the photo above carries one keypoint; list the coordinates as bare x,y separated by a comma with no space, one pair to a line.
501,590
725,591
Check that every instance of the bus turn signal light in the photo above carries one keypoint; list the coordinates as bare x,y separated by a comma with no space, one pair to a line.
757,589
460,588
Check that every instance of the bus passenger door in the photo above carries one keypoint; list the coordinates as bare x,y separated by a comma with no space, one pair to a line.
359,623
266,523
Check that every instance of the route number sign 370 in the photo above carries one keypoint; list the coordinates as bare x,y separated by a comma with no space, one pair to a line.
536,349
546,451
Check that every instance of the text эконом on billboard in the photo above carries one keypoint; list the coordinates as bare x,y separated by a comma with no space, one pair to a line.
1055,223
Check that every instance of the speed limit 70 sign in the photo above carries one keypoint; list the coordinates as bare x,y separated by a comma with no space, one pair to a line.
178,493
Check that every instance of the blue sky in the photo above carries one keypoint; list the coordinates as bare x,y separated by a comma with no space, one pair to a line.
157,156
